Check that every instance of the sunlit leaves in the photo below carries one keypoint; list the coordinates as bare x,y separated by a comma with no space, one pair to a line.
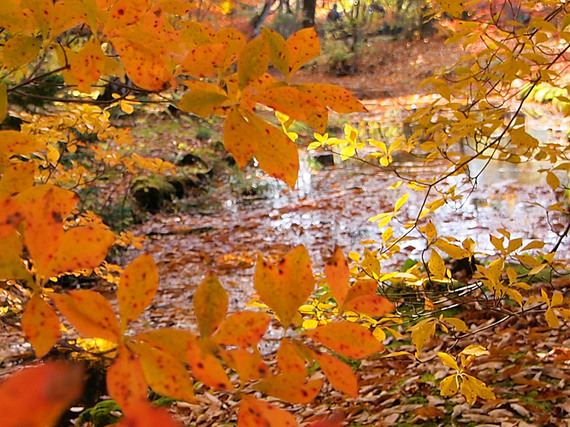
170,340
20,50
11,265
40,325
247,363
437,266
372,305
206,367
347,339
37,396
238,139
254,412
253,61
334,97
138,285
285,286
288,359
278,51
302,46
89,312
210,305
203,99
422,332
87,65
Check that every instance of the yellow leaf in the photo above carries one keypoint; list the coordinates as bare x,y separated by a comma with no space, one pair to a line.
452,250
551,318
400,202
90,313
206,367
277,50
285,286
557,299
448,361
20,50
40,324
253,61
137,288
203,103
430,231
552,180
422,333
472,387
302,46
210,305
17,178
449,385
515,295
3,102
458,324
437,266
204,61
475,350
338,275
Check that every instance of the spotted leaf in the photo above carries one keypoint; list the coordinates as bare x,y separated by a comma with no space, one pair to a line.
40,325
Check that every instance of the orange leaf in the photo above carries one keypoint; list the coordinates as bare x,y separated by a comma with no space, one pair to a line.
234,42
238,138
210,305
164,373
338,275
204,60
335,420
347,339
285,286
339,374
137,288
87,65
253,61
173,341
37,396
80,247
11,252
372,305
302,46
125,380
143,414
335,97
243,329
254,412
278,51
296,104
90,313
203,103
11,215
207,368
288,359
291,387
13,142
247,363
17,178
360,288
41,325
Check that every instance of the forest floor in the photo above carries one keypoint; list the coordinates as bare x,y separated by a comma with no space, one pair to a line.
529,364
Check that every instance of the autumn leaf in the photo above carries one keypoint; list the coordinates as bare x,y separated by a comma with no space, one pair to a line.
11,264
302,46
204,60
448,361
437,266
254,412
41,325
210,305
37,396
163,372
17,178
137,288
472,388
285,286
240,137
278,51
347,339
143,414
288,359
335,97
291,387
335,420
203,103
450,385
339,374
362,287
422,332
20,50
243,329
253,61
372,305
87,65
125,380
206,367
3,102
89,312
338,275
246,362
170,340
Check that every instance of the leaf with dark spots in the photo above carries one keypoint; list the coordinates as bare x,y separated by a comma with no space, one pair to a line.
285,293
372,305
137,288
334,97
288,359
302,46
206,367
291,387
125,380
243,329
347,339
253,61
339,374
247,363
254,413
338,275
240,137
41,325
210,305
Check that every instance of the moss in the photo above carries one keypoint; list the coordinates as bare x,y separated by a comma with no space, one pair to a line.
100,415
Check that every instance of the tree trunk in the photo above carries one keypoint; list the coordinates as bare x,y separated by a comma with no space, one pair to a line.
259,19
309,7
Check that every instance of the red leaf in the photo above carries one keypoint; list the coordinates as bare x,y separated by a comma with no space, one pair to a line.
210,305
339,374
362,287
244,329
285,286
37,396
41,325
254,413
207,368
338,275
125,380
137,288
347,339
90,313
